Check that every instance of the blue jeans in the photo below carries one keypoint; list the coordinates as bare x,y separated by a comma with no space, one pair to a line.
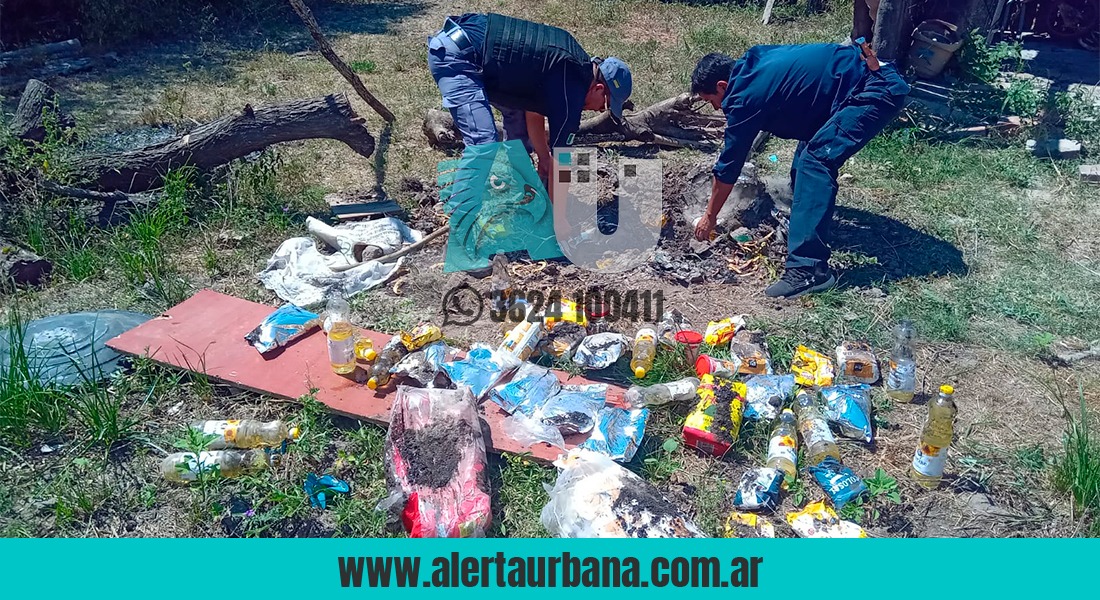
458,74
868,110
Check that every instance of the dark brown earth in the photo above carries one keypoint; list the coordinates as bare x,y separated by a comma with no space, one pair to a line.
432,452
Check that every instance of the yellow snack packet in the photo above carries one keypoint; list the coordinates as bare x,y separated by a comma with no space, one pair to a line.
820,521
421,335
742,525
720,332
811,368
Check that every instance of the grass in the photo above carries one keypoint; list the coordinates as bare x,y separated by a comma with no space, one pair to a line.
1078,473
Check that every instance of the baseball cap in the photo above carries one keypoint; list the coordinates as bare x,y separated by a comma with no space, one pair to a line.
619,83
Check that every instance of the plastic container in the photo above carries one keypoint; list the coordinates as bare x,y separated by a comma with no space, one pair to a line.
644,351
391,354
934,43
341,337
596,313
246,433
185,467
690,341
783,445
901,373
816,437
500,287
939,428
716,366
681,390
672,323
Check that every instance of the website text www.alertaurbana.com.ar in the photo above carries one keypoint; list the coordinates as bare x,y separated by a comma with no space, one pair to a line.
566,570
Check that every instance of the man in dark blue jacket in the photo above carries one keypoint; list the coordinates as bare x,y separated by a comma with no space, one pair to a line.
833,99
531,72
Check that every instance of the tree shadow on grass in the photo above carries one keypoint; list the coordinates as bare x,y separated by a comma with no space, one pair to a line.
898,251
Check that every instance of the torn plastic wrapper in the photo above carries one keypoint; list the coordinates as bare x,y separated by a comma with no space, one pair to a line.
425,364
751,349
811,368
482,368
594,497
820,521
759,489
561,341
278,329
619,433
318,488
600,351
531,385
839,482
765,395
720,332
435,464
748,525
528,431
849,407
575,408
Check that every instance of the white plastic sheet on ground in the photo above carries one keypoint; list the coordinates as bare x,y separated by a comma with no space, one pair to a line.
301,274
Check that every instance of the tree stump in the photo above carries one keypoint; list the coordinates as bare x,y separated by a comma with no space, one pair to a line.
37,105
21,266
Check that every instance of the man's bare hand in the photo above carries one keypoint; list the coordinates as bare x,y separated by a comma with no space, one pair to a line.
704,228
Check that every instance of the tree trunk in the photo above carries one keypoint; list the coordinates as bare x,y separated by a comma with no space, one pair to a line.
36,55
226,139
21,266
894,30
674,123
29,120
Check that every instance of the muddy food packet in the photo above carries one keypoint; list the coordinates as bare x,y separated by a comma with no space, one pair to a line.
849,408
811,368
839,482
575,408
424,365
820,521
765,395
856,363
759,489
482,368
749,347
748,525
618,433
562,340
286,324
529,389
600,351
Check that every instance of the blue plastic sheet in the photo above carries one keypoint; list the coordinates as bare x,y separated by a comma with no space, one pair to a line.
619,433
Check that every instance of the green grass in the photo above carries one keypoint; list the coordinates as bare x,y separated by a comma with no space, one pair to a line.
363,66
1078,472
522,496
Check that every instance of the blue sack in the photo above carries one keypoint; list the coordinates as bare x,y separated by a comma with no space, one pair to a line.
839,482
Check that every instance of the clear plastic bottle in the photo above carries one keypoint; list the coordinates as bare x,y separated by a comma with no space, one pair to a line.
672,322
341,337
901,375
935,439
816,437
783,445
246,433
645,350
185,467
500,286
662,393
391,354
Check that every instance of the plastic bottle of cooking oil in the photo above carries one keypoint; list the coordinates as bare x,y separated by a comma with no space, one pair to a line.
662,393
391,354
246,433
901,376
341,337
783,445
645,349
816,437
184,467
935,438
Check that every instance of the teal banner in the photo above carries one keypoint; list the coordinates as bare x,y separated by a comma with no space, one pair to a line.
928,569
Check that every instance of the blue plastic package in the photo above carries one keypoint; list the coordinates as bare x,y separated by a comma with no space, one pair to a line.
849,407
481,369
619,433
529,388
765,395
286,324
575,409
839,482
759,489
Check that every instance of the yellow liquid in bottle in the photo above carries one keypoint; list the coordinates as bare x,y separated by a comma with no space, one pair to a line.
341,347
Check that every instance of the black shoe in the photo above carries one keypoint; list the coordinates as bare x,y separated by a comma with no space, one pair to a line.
796,282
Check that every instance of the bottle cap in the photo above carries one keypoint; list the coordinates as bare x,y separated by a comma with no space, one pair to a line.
295,433
370,354
372,383
639,372
946,389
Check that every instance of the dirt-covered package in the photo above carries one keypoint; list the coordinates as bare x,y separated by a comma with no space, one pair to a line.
594,497
435,464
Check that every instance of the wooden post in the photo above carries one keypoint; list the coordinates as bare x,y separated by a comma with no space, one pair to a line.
341,66
768,12
893,30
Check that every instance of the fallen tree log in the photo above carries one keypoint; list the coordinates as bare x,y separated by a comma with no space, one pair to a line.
21,266
674,123
36,55
36,105
228,138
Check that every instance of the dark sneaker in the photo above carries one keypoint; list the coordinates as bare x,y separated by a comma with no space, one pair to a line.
796,282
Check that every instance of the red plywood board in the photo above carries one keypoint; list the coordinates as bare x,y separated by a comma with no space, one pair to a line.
206,333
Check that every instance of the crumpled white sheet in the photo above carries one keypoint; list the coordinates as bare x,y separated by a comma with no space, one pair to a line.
301,274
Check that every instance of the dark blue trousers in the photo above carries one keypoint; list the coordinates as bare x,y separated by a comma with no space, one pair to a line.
874,103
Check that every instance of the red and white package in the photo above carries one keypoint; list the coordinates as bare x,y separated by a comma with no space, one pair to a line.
435,464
